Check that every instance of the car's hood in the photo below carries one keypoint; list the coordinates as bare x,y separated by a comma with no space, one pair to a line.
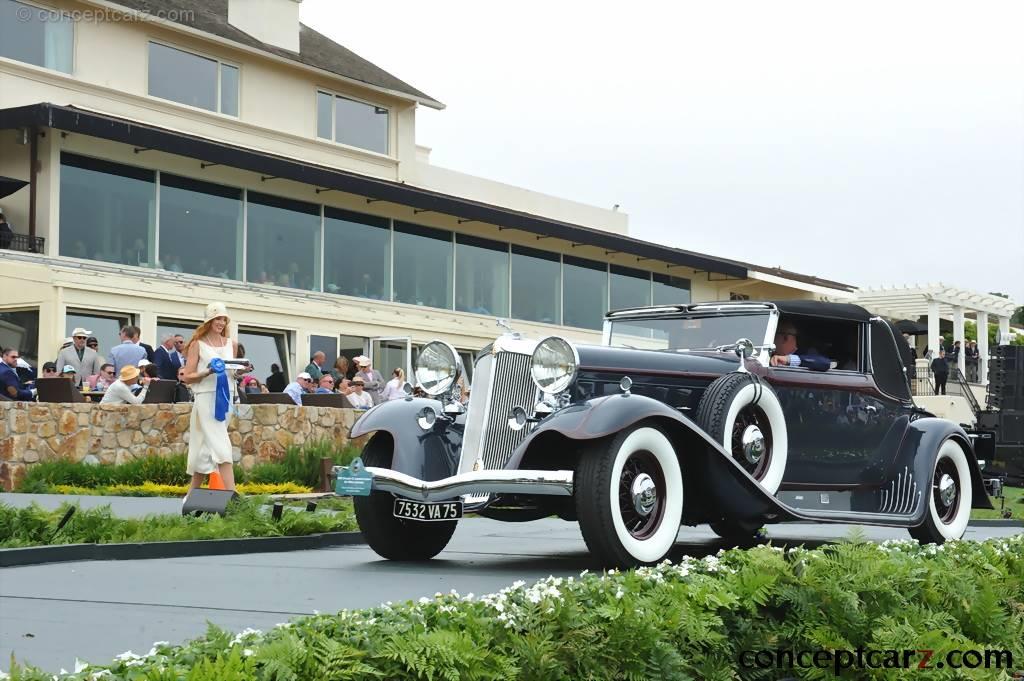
597,358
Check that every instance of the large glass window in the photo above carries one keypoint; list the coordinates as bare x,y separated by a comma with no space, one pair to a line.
107,211
264,348
536,285
357,124
585,292
357,254
283,242
190,79
38,36
19,329
671,290
423,266
327,345
105,327
630,288
200,227
481,276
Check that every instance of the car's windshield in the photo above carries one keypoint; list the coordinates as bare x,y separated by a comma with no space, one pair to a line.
688,333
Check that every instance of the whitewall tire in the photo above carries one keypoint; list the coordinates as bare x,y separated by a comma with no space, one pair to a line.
950,496
744,415
629,497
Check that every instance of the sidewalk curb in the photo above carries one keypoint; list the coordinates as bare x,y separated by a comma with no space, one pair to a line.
38,555
996,523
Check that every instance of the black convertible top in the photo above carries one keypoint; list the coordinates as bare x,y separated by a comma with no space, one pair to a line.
814,308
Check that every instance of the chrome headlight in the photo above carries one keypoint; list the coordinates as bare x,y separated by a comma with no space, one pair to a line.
555,362
438,368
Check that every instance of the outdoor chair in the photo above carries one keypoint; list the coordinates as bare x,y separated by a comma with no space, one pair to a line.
58,390
268,398
326,400
161,392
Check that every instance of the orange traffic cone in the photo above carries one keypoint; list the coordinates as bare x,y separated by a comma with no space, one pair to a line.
215,481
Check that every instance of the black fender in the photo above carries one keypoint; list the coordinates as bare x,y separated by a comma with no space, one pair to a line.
720,484
425,454
918,453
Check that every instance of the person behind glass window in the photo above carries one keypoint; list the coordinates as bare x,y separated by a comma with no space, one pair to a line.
788,354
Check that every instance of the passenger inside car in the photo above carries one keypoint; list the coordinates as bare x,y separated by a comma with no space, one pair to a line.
788,351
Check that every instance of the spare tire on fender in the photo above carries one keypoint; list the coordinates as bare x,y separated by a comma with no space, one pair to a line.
742,413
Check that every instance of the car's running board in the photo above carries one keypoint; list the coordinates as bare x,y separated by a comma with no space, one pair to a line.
855,518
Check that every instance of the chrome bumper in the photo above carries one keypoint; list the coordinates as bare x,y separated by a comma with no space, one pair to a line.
547,483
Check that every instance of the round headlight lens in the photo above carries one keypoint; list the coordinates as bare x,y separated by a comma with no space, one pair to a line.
554,365
438,368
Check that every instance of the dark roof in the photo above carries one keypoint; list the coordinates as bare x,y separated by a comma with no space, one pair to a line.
315,49
814,308
273,167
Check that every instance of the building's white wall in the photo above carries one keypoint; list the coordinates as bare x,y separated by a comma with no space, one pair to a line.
952,407
14,159
275,22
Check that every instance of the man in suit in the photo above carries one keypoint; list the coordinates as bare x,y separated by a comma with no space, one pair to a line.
84,359
167,359
940,370
10,384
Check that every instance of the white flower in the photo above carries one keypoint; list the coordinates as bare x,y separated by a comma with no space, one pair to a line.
620,593
247,652
127,656
80,666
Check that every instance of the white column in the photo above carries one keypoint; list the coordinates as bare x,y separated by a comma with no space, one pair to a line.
1004,329
958,335
933,327
983,348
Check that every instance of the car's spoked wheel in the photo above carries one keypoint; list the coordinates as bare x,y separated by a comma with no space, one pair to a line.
629,497
949,499
752,441
391,537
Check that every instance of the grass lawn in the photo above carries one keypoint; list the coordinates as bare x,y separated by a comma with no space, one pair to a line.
1014,504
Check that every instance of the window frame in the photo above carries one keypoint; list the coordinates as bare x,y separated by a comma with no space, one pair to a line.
333,139
74,40
202,55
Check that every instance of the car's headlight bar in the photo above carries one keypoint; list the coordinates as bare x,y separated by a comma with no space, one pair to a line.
438,368
554,366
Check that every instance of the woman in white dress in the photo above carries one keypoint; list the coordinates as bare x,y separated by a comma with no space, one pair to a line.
209,447
394,390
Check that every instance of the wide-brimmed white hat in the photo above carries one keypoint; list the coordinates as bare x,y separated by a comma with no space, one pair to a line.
214,310
361,360
79,331
143,363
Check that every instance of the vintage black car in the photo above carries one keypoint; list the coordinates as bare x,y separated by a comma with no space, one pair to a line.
681,416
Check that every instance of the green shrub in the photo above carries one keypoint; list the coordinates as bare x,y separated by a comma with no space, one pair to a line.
691,620
248,517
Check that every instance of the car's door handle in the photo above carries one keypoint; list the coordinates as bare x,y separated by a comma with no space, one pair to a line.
869,408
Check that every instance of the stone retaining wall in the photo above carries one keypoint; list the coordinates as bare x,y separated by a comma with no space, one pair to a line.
31,432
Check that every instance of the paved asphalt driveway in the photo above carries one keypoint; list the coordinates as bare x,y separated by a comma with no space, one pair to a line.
49,614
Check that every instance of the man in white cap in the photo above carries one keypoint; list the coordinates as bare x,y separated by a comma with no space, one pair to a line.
302,384
84,360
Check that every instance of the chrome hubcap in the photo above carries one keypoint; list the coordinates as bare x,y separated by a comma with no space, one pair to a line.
753,444
645,494
947,489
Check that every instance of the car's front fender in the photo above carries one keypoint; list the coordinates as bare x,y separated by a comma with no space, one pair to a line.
425,454
715,475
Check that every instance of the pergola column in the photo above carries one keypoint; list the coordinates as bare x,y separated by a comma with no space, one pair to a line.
983,348
933,327
958,335
1004,330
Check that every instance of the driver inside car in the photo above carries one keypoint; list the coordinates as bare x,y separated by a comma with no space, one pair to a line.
788,354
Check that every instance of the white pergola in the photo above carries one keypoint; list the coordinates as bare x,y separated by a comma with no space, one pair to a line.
938,301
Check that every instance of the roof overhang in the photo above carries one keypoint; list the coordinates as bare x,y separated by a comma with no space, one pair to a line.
93,124
912,302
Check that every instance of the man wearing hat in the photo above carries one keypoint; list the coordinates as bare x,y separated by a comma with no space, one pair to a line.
302,384
69,373
120,391
372,380
50,370
83,359
359,398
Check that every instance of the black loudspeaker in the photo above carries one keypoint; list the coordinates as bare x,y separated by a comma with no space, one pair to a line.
987,420
200,501
1011,428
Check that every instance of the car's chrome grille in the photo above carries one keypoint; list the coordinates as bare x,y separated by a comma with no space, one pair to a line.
511,387
500,382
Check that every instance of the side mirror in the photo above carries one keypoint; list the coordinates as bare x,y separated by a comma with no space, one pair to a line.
407,388
745,348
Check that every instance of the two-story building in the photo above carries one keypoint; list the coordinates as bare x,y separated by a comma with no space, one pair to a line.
180,152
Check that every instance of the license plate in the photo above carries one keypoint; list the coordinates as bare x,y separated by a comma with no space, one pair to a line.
428,510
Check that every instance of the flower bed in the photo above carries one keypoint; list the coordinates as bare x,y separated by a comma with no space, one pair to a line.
152,489
33,526
691,620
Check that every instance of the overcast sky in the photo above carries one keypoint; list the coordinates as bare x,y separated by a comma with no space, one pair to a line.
870,142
